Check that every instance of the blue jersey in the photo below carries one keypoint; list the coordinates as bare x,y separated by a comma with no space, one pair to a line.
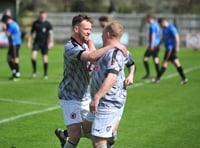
154,28
15,35
169,34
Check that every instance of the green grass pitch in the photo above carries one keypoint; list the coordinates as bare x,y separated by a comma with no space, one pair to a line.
164,115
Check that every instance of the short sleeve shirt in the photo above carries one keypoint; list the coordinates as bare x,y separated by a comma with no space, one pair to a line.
15,35
111,62
169,34
154,28
75,83
42,31
128,60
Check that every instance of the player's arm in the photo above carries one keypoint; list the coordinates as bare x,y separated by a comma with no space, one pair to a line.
130,64
175,33
91,45
50,39
106,86
30,36
161,41
177,39
4,28
130,78
153,37
95,55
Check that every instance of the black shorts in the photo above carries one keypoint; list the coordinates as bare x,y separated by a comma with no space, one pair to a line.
170,55
13,51
42,47
153,53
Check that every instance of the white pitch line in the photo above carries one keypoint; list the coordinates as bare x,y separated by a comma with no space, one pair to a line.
29,114
23,102
164,78
57,107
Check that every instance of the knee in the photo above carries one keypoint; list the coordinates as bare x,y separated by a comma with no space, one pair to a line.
145,59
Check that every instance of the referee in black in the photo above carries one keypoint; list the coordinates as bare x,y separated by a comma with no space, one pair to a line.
43,41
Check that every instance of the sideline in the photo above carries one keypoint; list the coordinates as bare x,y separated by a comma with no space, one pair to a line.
23,102
164,77
57,107
29,114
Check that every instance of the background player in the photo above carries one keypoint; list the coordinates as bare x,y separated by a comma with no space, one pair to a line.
43,40
12,31
153,48
104,20
171,41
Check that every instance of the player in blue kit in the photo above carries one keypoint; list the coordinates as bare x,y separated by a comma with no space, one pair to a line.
171,41
12,31
153,45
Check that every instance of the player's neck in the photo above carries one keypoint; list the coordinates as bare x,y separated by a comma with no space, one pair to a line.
113,41
77,39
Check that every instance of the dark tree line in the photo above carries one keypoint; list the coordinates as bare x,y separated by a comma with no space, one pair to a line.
128,6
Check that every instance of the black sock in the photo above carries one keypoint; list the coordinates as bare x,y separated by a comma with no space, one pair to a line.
16,70
11,65
157,68
34,65
180,71
45,69
160,73
16,67
146,66
69,144
65,133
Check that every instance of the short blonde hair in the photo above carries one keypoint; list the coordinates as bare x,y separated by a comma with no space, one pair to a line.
115,28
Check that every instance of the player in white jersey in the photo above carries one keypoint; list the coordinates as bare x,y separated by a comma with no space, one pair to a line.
74,86
63,134
108,90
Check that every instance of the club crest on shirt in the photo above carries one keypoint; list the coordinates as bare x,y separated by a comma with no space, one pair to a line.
73,115
108,128
44,29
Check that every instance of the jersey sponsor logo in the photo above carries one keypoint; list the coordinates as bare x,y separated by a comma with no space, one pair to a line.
108,128
73,115
98,130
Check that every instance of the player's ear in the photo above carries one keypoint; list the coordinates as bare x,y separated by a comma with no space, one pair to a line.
76,28
108,34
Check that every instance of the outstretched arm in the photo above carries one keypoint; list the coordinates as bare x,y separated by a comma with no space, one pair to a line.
93,55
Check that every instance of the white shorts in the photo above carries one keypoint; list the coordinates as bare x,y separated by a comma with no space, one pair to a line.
74,111
90,117
104,122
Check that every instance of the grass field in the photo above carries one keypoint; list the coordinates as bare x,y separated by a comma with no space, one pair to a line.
164,115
